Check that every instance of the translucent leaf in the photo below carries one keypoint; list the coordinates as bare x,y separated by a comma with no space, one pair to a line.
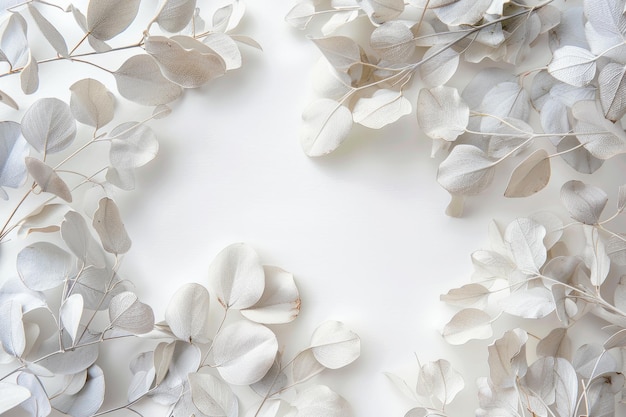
557,344
402,386
139,79
612,86
605,27
466,171
43,266
598,135
13,41
13,289
91,102
226,47
108,223
280,302
439,65
6,99
616,249
52,35
79,240
492,265
187,313
188,68
439,380
132,145
540,379
566,387
533,303
380,11
462,12
163,355
319,400
38,404
530,176
98,286
342,52
88,400
579,158
441,113
12,336
71,311
301,14
467,295
326,124
583,202
29,76
595,256
237,276
106,20
228,17
269,408
334,345
13,150
504,100
274,381
48,125
423,412
467,324
176,14
524,237
243,352
126,312
382,108
509,138
185,359
246,40
573,65
507,358
393,41
11,395
305,366
71,361
121,178
212,396
47,179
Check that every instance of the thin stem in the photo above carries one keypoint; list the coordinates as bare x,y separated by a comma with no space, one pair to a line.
92,64
4,230
79,43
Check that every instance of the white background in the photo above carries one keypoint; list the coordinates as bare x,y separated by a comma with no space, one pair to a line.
363,230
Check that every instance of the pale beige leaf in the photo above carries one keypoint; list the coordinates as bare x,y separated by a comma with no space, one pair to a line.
47,179
106,19
530,176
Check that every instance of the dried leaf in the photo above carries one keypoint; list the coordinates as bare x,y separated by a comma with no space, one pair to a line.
70,313
38,404
43,266
29,77
466,171
334,345
590,360
532,303
6,99
139,79
566,387
301,14
226,47
439,380
605,28
79,240
557,344
132,145
439,65
382,108
48,125
88,400
13,289
319,400
12,336
583,202
305,366
176,14
126,312
578,158
441,113
187,313
243,352
530,176
507,358
106,20
380,11
52,35
595,256
393,41
467,324
189,68
163,355
573,65
509,138
91,102
108,223
11,395
616,249
237,276
524,237
13,41
602,138
467,295
462,12
280,302
612,86
274,381
326,125
212,396
47,179
13,150
505,100
342,52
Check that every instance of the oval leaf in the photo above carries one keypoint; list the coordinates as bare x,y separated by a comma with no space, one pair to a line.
106,19
108,223
79,240
382,108
442,113
175,14
334,345
187,313
139,79
86,401
126,312
13,150
132,145
43,266
439,380
573,65
48,125
530,176
212,396
12,335
280,302
466,171
467,324
11,395
91,102
583,202
326,124
47,179
71,311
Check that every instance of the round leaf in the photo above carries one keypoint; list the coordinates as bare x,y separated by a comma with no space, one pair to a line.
139,79
583,202
187,313
108,224
132,145
280,302
467,324
43,266
326,124
212,396
48,125
334,345
91,102
466,171
126,312
441,113
106,19
11,395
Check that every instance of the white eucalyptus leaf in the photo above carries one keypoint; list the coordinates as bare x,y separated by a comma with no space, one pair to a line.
605,28
382,108
621,197
380,11
176,14
468,295
301,14
326,124
619,297
439,65
122,178
108,19
524,237
595,256
337,20
568,31
212,396
393,41
504,100
274,381
70,313
98,286
616,249
132,145
566,387
13,150
246,40
79,240
601,394
439,380
509,138
540,379
108,224
71,361
305,366
185,359
232,13
573,65
226,47
583,202
187,313
48,125
467,324
342,52
12,335
462,12
12,395
243,352
280,302
552,223
47,179
598,135
237,276
589,361
126,312
579,158
6,99
442,113
402,386
29,77
334,345
221,17
318,401
507,358
188,68
269,408
13,289
474,92
139,79
489,265
162,357
13,41
88,400
617,340
562,268
550,17
38,404
51,33
43,266
530,176
91,102
423,412
466,171
533,303
612,86
556,344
